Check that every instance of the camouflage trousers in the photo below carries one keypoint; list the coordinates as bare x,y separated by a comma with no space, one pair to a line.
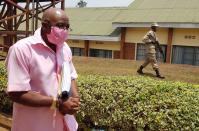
151,58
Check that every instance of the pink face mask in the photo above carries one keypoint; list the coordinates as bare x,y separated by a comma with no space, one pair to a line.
57,36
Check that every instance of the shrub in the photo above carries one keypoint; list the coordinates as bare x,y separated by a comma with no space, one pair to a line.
6,104
130,103
138,103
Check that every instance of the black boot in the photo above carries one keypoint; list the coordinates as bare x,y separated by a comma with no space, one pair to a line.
140,70
158,74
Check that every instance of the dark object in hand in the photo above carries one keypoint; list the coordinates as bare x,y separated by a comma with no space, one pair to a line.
161,51
157,45
64,95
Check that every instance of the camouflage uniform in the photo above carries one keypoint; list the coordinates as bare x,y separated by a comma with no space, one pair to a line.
150,39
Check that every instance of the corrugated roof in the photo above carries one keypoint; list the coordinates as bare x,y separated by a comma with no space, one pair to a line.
164,4
92,21
177,11
100,21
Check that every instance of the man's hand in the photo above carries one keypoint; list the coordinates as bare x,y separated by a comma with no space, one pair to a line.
70,106
158,46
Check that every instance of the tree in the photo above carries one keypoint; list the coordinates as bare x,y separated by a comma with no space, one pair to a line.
81,4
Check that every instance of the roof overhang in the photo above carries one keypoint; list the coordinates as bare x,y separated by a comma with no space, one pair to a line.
161,24
95,38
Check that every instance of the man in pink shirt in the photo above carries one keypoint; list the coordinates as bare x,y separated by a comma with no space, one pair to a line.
34,66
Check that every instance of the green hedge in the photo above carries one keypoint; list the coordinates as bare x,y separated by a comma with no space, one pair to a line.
5,103
130,103
138,103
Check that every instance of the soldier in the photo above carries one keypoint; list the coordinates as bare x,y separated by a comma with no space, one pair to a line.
150,40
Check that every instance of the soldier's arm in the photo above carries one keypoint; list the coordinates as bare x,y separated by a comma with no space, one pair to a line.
146,39
151,37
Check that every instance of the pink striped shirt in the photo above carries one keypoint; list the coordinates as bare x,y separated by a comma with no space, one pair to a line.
32,65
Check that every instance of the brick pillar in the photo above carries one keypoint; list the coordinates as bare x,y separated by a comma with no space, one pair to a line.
86,48
169,45
122,42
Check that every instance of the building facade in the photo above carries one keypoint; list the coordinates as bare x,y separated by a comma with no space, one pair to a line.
116,33
178,33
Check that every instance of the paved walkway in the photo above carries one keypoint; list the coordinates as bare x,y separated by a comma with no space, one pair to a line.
5,122
3,129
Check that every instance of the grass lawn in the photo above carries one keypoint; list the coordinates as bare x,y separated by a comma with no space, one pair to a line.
101,66
89,65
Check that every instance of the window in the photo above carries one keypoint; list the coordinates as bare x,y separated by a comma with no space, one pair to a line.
141,53
185,55
188,55
196,56
77,51
100,53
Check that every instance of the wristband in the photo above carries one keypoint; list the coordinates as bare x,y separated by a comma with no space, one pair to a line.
54,104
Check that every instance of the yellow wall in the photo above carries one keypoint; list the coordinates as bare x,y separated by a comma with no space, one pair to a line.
104,45
180,37
1,40
76,43
135,35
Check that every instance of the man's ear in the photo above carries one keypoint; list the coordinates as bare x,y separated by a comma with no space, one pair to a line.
46,27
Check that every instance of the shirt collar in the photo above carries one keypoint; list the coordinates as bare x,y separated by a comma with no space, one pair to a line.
37,37
39,40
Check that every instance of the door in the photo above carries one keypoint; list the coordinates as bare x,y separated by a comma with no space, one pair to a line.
129,51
